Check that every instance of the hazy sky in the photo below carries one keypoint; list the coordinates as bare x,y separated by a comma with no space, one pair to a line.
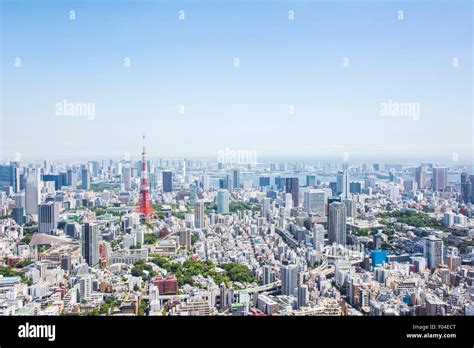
291,94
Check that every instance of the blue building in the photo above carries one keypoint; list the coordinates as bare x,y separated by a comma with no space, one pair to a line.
264,181
378,257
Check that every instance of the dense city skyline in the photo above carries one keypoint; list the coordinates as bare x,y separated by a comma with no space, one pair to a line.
236,158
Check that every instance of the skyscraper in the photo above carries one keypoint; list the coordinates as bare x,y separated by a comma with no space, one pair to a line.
433,251
85,288
267,274
69,174
32,192
86,180
420,177
90,243
318,237
350,207
167,181
440,178
264,181
192,194
10,176
466,188
314,202
292,186
310,180
48,217
127,177
205,181
16,177
18,211
222,201
235,178
343,185
471,178
289,279
303,295
199,214
337,223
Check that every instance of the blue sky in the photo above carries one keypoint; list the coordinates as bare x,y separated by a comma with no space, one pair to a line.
282,63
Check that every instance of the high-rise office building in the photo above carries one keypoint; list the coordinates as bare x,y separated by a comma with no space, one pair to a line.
222,201
420,177
466,188
18,211
433,251
351,209
266,205
85,288
235,178
289,279
192,194
264,181
314,202
311,180
199,214
267,277
86,179
10,177
343,185
74,178
16,183
292,186
303,295
32,192
90,243
48,217
167,183
69,174
185,238
205,181
337,223
440,178
127,177
318,237
355,187
471,178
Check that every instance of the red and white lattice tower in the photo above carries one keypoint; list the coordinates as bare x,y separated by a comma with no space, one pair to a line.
144,203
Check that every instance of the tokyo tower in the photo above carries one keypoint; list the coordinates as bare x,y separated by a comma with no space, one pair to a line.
144,203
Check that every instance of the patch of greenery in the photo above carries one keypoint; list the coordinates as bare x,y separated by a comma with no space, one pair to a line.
101,186
415,219
464,245
139,267
238,272
43,248
150,238
235,207
184,272
143,307
13,271
26,239
210,208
